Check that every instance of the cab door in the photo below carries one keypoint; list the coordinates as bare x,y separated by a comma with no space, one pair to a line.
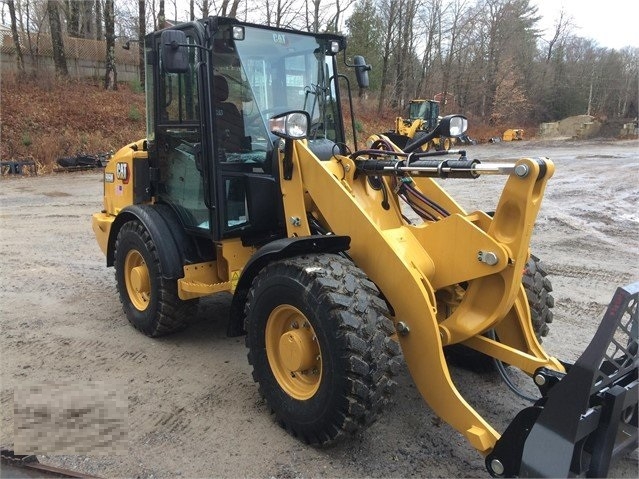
180,139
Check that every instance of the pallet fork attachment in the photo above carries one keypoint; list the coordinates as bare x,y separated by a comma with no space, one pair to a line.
587,416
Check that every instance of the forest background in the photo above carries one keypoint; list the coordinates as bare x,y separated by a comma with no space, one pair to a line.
487,59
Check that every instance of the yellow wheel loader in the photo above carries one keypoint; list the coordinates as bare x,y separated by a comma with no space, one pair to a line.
513,134
342,259
423,117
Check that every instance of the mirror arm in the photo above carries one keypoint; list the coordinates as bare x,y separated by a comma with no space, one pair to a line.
420,142
175,46
287,162
335,78
366,67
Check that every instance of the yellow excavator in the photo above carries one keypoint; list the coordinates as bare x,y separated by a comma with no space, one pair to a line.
343,259
423,117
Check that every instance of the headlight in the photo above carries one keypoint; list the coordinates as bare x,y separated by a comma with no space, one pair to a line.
292,125
238,32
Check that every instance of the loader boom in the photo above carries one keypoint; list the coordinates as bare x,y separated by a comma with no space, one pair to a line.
419,257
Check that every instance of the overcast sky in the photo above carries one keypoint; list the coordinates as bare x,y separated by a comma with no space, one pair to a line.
611,23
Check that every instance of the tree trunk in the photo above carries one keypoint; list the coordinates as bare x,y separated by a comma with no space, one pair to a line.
57,44
234,6
73,19
390,17
205,9
14,34
98,20
141,35
111,75
87,22
161,16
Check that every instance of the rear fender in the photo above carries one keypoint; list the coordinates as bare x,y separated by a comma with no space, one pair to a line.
169,238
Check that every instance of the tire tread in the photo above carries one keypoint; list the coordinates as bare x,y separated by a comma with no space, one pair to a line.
362,329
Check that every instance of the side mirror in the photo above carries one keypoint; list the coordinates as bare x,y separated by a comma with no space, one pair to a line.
361,71
174,54
452,126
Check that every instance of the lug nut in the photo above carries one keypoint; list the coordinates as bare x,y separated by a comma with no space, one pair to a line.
402,328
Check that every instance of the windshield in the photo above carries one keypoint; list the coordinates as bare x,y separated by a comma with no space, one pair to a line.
271,72
424,110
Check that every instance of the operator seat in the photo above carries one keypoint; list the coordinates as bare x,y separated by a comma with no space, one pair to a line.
228,119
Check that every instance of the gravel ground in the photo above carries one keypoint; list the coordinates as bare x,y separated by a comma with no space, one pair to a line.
193,409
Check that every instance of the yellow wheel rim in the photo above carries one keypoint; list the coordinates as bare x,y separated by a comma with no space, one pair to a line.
293,352
136,278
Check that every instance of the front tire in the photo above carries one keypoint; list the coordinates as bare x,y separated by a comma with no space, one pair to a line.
150,301
319,342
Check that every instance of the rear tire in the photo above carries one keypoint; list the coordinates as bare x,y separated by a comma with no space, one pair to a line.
150,301
538,288
337,376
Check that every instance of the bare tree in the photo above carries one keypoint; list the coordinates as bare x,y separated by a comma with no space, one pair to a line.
72,12
284,13
87,21
98,20
562,25
141,35
16,37
57,44
229,8
334,23
161,16
204,8
111,74
452,34
390,13
431,20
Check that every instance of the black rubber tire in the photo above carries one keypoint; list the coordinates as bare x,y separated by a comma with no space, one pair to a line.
166,313
359,358
419,135
538,288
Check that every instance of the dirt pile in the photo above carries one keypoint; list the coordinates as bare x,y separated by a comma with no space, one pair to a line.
579,126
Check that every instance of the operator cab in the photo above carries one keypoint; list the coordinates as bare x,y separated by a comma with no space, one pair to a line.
427,110
212,87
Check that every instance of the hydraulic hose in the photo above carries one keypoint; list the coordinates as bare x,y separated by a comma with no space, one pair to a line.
501,369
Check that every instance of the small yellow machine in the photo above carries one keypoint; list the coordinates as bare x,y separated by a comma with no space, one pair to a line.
342,259
423,117
513,134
